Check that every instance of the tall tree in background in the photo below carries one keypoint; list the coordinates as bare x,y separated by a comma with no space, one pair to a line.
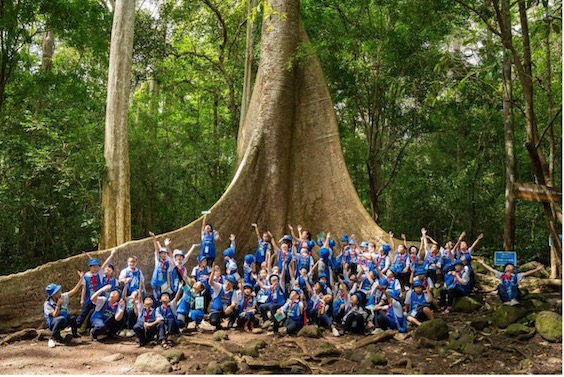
116,206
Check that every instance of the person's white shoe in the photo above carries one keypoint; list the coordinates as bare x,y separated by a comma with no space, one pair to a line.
513,302
507,303
335,332
266,324
377,330
51,343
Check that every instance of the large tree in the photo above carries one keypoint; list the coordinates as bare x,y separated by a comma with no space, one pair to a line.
291,169
116,205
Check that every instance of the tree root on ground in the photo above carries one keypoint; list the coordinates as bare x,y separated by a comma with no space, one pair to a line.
375,338
25,334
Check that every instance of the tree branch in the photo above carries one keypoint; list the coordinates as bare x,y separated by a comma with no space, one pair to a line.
481,15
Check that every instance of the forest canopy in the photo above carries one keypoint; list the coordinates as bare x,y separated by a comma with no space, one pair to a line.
417,87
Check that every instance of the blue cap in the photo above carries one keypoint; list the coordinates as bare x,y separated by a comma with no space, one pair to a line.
51,289
163,250
231,279
324,253
386,248
200,258
322,275
297,290
93,262
458,261
383,282
364,244
112,266
351,242
345,238
229,253
331,243
394,293
250,259
247,285
417,283
287,238
347,284
466,257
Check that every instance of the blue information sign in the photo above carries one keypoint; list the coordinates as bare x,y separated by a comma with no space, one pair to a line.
501,258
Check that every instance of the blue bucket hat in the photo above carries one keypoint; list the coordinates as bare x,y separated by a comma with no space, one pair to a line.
163,250
351,242
200,258
51,289
250,259
322,275
364,244
287,238
458,261
420,271
345,238
394,293
229,253
383,282
386,248
297,290
231,279
93,262
324,253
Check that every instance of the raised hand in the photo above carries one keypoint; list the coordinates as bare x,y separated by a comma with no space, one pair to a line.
423,231
167,241
403,236
462,235
80,273
481,236
254,225
152,234
232,237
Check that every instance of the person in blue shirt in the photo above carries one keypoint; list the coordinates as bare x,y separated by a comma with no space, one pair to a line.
209,237
229,257
264,247
92,282
55,310
108,313
224,301
149,322
456,285
133,281
275,298
418,304
168,311
249,268
508,288
389,312
247,307
160,281
291,314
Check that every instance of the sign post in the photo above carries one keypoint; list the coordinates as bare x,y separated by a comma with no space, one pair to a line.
501,258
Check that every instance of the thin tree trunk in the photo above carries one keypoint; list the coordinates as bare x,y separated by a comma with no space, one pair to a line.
116,205
47,50
509,227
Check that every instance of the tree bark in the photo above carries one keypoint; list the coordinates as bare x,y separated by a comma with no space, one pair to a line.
291,171
47,50
509,227
116,206
248,76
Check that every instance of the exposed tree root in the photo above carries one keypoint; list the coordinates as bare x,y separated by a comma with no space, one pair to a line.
385,335
25,334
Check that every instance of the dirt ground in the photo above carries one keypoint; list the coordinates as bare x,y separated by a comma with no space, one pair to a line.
498,354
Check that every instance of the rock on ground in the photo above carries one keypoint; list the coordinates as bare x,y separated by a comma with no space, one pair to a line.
112,358
310,332
152,363
174,355
506,315
518,329
435,329
549,326
466,304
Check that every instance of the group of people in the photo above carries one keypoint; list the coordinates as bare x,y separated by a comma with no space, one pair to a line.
353,287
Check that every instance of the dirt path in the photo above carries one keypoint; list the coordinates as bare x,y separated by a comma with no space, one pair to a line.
497,353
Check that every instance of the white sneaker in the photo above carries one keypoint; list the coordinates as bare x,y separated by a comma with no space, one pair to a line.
51,343
122,333
129,333
335,332
507,303
266,324
513,302
377,330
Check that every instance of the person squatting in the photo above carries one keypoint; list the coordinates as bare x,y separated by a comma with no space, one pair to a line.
353,287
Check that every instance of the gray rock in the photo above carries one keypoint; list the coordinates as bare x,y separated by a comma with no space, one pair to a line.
549,326
220,335
376,358
153,363
112,358
174,355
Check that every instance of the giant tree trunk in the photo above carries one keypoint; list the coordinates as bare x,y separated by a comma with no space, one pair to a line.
291,171
248,77
509,226
116,206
